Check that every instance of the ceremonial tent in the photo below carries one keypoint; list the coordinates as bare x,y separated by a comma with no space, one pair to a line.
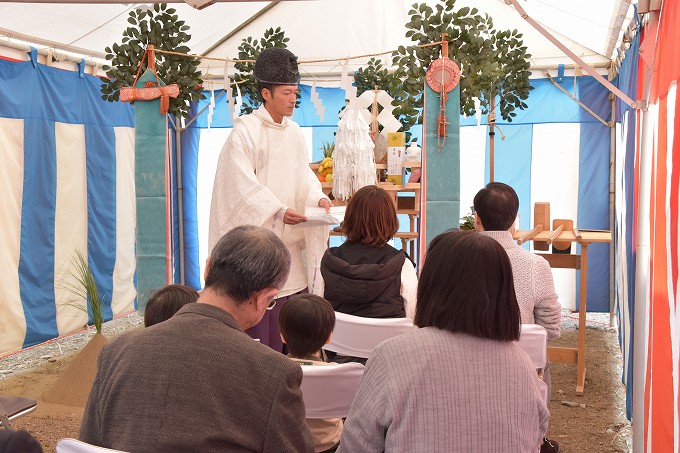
67,168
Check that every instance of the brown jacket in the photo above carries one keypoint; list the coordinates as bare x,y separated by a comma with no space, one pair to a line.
196,382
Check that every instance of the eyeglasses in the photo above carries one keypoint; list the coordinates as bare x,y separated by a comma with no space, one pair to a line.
272,304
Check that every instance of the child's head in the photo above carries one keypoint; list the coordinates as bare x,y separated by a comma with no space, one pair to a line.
306,323
165,302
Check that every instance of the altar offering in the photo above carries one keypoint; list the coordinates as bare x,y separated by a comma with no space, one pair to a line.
395,157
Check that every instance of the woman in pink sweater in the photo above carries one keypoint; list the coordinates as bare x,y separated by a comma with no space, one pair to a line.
459,383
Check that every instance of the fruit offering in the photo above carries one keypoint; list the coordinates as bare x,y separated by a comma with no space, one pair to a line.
326,165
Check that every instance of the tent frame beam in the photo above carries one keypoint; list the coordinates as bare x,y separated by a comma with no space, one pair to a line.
620,94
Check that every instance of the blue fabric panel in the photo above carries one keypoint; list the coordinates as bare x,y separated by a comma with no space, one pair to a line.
96,111
56,95
36,260
442,166
593,208
221,115
513,166
100,143
333,101
596,97
628,74
189,145
547,104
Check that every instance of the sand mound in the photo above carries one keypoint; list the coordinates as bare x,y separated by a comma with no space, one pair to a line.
73,385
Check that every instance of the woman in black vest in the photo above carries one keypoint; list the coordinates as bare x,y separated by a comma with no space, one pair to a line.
366,276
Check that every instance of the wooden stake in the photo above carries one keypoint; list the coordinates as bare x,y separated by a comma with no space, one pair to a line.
151,57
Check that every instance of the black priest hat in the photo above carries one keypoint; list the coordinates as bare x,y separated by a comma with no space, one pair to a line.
277,66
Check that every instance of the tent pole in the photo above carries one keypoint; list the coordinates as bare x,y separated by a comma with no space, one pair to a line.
492,133
612,201
180,196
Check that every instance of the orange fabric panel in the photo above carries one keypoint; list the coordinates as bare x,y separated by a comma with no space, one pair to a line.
650,319
675,201
666,62
660,358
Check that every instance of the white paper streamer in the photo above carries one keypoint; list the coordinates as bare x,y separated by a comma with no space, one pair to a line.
211,104
343,75
346,79
228,89
316,101
353,159
239,103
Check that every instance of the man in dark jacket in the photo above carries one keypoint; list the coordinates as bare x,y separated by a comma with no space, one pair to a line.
198,382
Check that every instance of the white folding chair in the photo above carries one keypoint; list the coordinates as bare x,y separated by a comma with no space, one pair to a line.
13,407
358,337
328,390
533,339
68,445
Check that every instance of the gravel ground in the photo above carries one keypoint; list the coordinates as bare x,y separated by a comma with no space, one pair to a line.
37,355
28,359
595,424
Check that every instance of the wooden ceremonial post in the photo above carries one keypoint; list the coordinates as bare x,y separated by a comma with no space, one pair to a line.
564,233
492,134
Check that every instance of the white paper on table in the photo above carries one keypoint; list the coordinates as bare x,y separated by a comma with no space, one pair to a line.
319,216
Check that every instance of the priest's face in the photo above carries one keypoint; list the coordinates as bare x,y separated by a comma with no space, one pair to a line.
280,101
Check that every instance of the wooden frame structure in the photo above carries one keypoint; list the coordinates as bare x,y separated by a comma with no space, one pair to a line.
561,235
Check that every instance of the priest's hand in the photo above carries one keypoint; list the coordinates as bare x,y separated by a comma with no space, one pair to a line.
293,218
325,203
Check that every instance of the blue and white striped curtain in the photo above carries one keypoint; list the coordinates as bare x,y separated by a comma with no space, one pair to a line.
68,184
67,179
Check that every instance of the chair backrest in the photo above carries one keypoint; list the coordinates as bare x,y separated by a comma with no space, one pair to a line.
356,336
328,390
533,339
68,445
12,407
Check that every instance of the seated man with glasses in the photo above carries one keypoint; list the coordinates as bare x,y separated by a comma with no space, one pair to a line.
197,382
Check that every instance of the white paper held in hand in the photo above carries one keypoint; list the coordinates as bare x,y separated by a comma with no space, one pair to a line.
317,216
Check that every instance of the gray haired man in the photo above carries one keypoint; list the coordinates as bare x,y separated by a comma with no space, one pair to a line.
198,382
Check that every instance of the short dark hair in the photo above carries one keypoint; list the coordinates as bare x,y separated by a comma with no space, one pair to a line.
261,86
497,205
246,260
466,286
306,322
165,302
371,217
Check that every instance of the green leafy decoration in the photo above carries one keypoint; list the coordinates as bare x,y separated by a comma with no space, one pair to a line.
162,29
468,222
492,61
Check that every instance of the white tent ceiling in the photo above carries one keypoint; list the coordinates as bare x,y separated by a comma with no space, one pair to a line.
317,29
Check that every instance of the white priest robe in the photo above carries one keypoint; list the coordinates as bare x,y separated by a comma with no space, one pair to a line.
263,169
